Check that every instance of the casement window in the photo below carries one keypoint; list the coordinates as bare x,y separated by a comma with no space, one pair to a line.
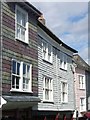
82,104
81,82
47,51
63,60
47,89
21,25
64,92
21,76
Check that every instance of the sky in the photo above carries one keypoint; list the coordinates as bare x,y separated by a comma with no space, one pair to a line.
68,20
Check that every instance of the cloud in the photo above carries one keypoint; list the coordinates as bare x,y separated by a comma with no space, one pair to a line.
69,21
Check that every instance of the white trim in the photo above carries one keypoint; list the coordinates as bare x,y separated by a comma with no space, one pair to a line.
51,109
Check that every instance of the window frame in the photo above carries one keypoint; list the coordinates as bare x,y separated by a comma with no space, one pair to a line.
65,100
17,7
63,60
46,58
50,90
82,82
83,106
21,78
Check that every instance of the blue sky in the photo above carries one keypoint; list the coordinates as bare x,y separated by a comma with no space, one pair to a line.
69,22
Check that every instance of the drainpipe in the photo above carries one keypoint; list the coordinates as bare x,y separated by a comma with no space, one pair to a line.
0,56
73,66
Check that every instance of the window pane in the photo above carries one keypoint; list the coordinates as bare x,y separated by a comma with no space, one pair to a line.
46,94
17,82
18,68
18,16
22,33
13,81
24,70
18,31
28,71
44,46
49,49
23,20
14,67
47,83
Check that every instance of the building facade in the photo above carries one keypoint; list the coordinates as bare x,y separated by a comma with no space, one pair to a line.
55,77
80,83
19,60
37,75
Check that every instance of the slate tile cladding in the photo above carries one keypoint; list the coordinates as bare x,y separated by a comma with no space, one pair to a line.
15,49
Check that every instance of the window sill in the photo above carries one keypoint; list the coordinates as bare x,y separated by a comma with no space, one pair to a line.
22,41
82,89
63,69
47,61
48,101
64,102
15,90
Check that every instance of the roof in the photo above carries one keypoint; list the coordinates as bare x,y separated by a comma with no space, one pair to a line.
52,35
21,98
27,4
80,62
16,101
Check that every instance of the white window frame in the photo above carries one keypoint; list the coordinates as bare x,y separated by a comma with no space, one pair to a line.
65,100
63,61
49,89
83,105
48,55
81,81
21,89
16,23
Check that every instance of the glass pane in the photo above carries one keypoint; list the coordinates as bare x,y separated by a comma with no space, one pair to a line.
44,46
13,81
18,31
17,82
27,82
23,80
46,94
18,68
23,86
28,71
14,67
49,49
24,70
46,83
22,33
19,17
49,56
23,20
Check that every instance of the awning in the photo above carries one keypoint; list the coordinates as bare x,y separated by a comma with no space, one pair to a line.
13,102
87,114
